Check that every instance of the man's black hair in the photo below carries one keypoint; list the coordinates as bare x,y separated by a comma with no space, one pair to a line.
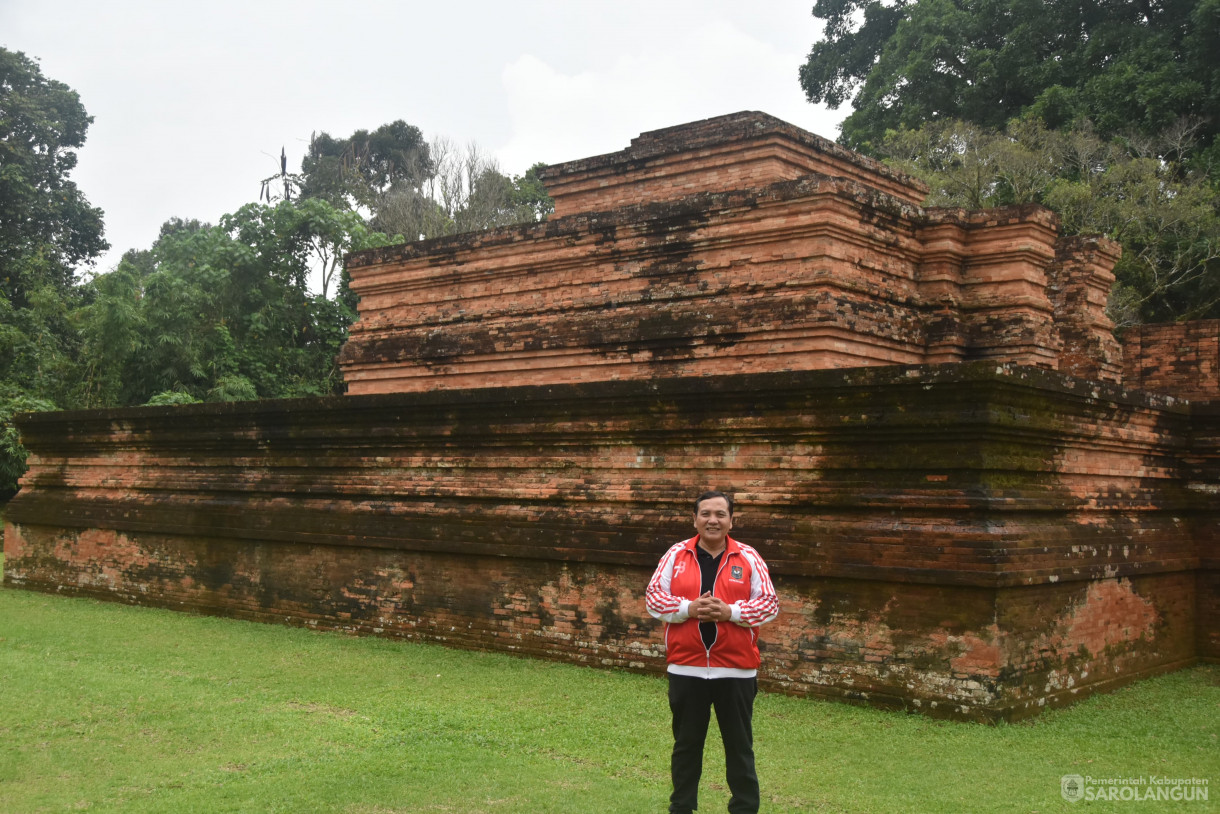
709,496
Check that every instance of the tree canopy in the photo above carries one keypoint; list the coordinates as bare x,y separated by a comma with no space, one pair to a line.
356,171
47,227
1106,111
1124,65
415,188
47,231
1167,219
224,312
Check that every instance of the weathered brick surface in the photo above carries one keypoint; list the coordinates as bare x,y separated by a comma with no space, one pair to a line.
945,538
739,151
1078,283
978,654
834,268
1208,613
954,525
1179,359
1202,468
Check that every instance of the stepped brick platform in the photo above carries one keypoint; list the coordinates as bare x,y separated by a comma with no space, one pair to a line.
658,270
966,512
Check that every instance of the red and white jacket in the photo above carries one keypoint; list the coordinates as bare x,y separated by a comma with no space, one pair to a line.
742,581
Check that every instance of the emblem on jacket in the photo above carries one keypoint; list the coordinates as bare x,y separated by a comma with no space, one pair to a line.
736,571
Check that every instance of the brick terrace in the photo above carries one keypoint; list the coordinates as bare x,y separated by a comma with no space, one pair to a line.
920,411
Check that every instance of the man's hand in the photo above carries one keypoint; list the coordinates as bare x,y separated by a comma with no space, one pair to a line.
708,608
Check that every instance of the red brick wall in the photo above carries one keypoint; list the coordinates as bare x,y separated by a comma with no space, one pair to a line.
1079,283
1202,467
738,151
1179,359
804,275
1208,613
953,651
736,245
978,653
950,535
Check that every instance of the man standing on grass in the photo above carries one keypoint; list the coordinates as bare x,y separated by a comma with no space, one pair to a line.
712,592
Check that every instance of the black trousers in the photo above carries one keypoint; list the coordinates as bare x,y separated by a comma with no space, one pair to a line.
691,701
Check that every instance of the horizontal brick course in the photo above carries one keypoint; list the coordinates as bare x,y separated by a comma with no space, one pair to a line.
1179,359
829,268
929,506
742,150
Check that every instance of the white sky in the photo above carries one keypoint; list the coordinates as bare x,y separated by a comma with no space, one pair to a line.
192,102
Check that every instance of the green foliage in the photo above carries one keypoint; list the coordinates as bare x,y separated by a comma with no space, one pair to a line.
529,194
357,170
1166,216
234,387
170,398
12,453
39,345
47,227
417,189
1125,65
1105,110
135,709
112,327
224,312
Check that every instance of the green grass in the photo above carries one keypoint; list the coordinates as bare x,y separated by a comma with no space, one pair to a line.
115,708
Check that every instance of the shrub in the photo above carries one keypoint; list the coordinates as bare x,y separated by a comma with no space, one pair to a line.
12,453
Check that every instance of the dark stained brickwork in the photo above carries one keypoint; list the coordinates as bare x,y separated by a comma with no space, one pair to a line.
969,540
1179,359
1202,471
821,260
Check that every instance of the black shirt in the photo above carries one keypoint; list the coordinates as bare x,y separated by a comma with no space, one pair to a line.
708,566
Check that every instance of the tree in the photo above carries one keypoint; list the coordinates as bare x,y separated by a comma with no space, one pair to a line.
38,346
530,196
47,227
465,192
1126,65
224,312
112,329
355,171
406,186
47,230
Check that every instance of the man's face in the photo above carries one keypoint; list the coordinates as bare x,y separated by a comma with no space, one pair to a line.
713,521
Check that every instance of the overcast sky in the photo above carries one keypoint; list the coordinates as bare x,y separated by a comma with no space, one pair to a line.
192,102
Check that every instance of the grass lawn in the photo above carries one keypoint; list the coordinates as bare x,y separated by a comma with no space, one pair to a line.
115,708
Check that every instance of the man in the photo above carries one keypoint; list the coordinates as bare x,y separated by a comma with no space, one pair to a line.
712,592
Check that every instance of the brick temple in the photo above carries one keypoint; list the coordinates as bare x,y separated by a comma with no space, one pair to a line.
975,502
